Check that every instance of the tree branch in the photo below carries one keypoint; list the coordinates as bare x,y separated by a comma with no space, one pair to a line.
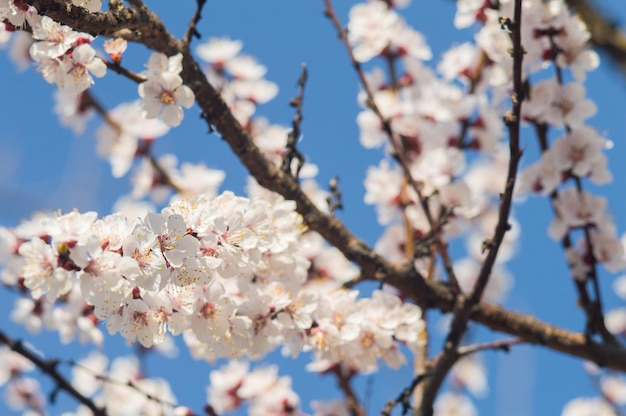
404,397
117,68
504,345
136,24
49,367
463,305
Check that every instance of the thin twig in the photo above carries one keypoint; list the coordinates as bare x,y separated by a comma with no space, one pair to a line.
49,367
291,151
192,28
371,103
92,102
117,68
504,345
404,397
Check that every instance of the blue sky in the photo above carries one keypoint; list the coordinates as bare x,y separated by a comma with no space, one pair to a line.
43,166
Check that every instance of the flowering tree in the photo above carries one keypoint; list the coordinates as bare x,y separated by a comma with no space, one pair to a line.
503,117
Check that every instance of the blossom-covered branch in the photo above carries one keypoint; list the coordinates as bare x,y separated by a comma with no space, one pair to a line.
373,267
241,277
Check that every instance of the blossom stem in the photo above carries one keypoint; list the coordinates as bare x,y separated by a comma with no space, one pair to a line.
117,68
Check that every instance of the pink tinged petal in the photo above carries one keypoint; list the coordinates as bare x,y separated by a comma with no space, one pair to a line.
350,332
600,173
219,49
384,339
303,321
587,108
285,320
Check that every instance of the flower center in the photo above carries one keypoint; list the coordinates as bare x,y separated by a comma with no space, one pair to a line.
576,154
167,97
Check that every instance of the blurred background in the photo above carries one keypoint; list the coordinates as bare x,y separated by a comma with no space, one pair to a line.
44,166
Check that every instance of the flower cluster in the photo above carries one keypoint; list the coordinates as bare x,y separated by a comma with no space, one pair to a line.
163,93
65,57
231,274
377,30
234,385
241,277
17,13
261,389
448,127
436,126
238,78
